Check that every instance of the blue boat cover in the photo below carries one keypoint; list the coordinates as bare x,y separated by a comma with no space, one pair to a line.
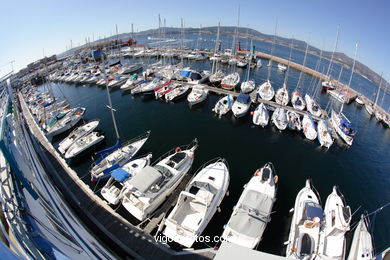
185,73
110,169
313,210
120,175
103,153
244,98
195,76
346,127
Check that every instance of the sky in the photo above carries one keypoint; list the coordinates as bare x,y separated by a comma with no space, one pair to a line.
31,30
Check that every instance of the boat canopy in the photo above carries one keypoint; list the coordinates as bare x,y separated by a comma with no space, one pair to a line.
185,73
145,179
313,210
347,128
195,76
244,98
120,175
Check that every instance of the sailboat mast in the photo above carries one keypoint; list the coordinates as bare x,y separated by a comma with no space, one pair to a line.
334,50
215,50
353,69
379,87
272,52
288,64
250,59
182,40
304,63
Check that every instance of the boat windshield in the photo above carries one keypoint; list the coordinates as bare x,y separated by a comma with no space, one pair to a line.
313,210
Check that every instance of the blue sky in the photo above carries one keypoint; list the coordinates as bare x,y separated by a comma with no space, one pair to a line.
30,28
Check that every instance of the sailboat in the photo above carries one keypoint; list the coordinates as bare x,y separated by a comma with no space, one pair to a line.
312,106
253,210
224,105
297,100
306,223
282,96
230,81
149,188
260,115
83,144
340,122
249,85
371,108
67,122
309,128
324,135
337,219
279,118
198,203
294,121
329,84
362,246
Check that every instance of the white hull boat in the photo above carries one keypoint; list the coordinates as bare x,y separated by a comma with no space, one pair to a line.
279,118
197,204
115,187
261,115
217,77
248,86
308,216
312,106
337,219
297,101
362,246
224,105
83,143
266,91
241,106
149,188
197,95
294,121
309,128
359,101
76,134
253,210
282,67
324,134
118,157
369,108
177,93
67,122
343,127
230,81
281,96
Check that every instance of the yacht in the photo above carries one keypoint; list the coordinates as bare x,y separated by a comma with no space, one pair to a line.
76,134
309,128
83,143
261,115
198,94
241,105
224,105
343,127
324,134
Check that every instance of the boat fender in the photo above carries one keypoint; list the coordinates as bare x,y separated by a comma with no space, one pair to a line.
178,150
276,178
256,172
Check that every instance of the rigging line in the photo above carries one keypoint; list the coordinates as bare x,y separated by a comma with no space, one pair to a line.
378,209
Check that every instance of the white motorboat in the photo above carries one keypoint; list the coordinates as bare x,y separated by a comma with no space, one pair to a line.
198,203
259,64
148,87
198,94
309,128
230,81
260,115
115,187
361,247
337,219
242,63
130,82
312,106
343,127
282,67
177,93
281,96
297,101
253,210
279,118
369,108
83,143
324,134
149,188
248,86
223,105
76,134
102,168
241,105
306,223
266,91
162,90
294,121
359,101
67,122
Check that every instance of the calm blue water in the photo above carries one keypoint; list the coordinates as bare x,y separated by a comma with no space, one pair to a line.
360,171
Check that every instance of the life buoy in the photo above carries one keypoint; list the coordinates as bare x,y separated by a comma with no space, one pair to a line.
178,150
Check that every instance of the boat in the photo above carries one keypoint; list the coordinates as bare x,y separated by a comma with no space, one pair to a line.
248,86
198,203
294,121
282,67
130,82
148,87
241,63
312,106
82,144
297,101
223,105
309,128
115,187
337,220
230,81
343,127
241,105
217,77
117,81
266,91
160,91
279,118
281,96
259,64
198,94
306,223
328,85
76,134
177,93
362,246
149,188
261,115
324,134
253,210
67,122
369,108
359,101
101,169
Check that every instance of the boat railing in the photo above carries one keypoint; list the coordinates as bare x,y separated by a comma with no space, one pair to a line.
135,139
315,191
174,150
